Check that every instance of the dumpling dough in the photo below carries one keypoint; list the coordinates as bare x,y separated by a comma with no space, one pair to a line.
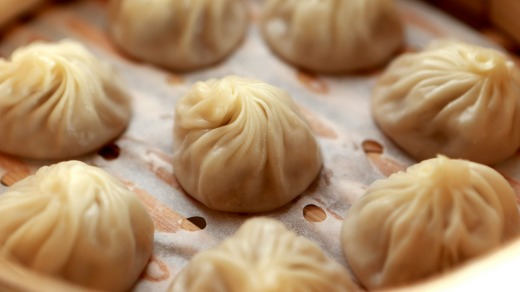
333,36
453,98
435,216
77,223
58,101
241,145
263,256
16,278
178,34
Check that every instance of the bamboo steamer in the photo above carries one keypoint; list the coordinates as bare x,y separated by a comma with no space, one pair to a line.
356,153
504,15
10,9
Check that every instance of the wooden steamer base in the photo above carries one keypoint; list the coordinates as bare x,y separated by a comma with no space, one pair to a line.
355,152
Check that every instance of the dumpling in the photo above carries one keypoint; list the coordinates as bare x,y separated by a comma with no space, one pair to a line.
452,98
241,145
333,36
178,34
58,101
433,217
77,223
16,278
263,256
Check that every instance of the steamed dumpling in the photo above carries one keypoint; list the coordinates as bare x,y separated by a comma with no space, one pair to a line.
77,223
58,101
453,98
179,34
242,145
17,278
263,256
333,36
433,217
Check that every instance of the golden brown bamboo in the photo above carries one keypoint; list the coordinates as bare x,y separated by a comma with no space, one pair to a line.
10,9
504,15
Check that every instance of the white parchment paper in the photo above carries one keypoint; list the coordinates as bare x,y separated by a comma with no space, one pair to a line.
338,108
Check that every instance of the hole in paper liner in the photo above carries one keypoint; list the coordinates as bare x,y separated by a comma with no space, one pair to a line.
194,223
371,146
313,213
110,151
312,82
156,271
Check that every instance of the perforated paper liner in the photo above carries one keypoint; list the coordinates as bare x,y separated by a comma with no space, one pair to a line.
355,151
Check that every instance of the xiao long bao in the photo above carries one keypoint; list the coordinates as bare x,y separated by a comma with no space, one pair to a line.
433,217
17,278
333,36
452,98
263,256
58,101
77,223
242,145
177,34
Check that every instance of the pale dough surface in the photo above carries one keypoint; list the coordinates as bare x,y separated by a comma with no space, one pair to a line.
242,145
76,222
58,101
263,256
333,36
432,218
337,108
452,98
178,34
